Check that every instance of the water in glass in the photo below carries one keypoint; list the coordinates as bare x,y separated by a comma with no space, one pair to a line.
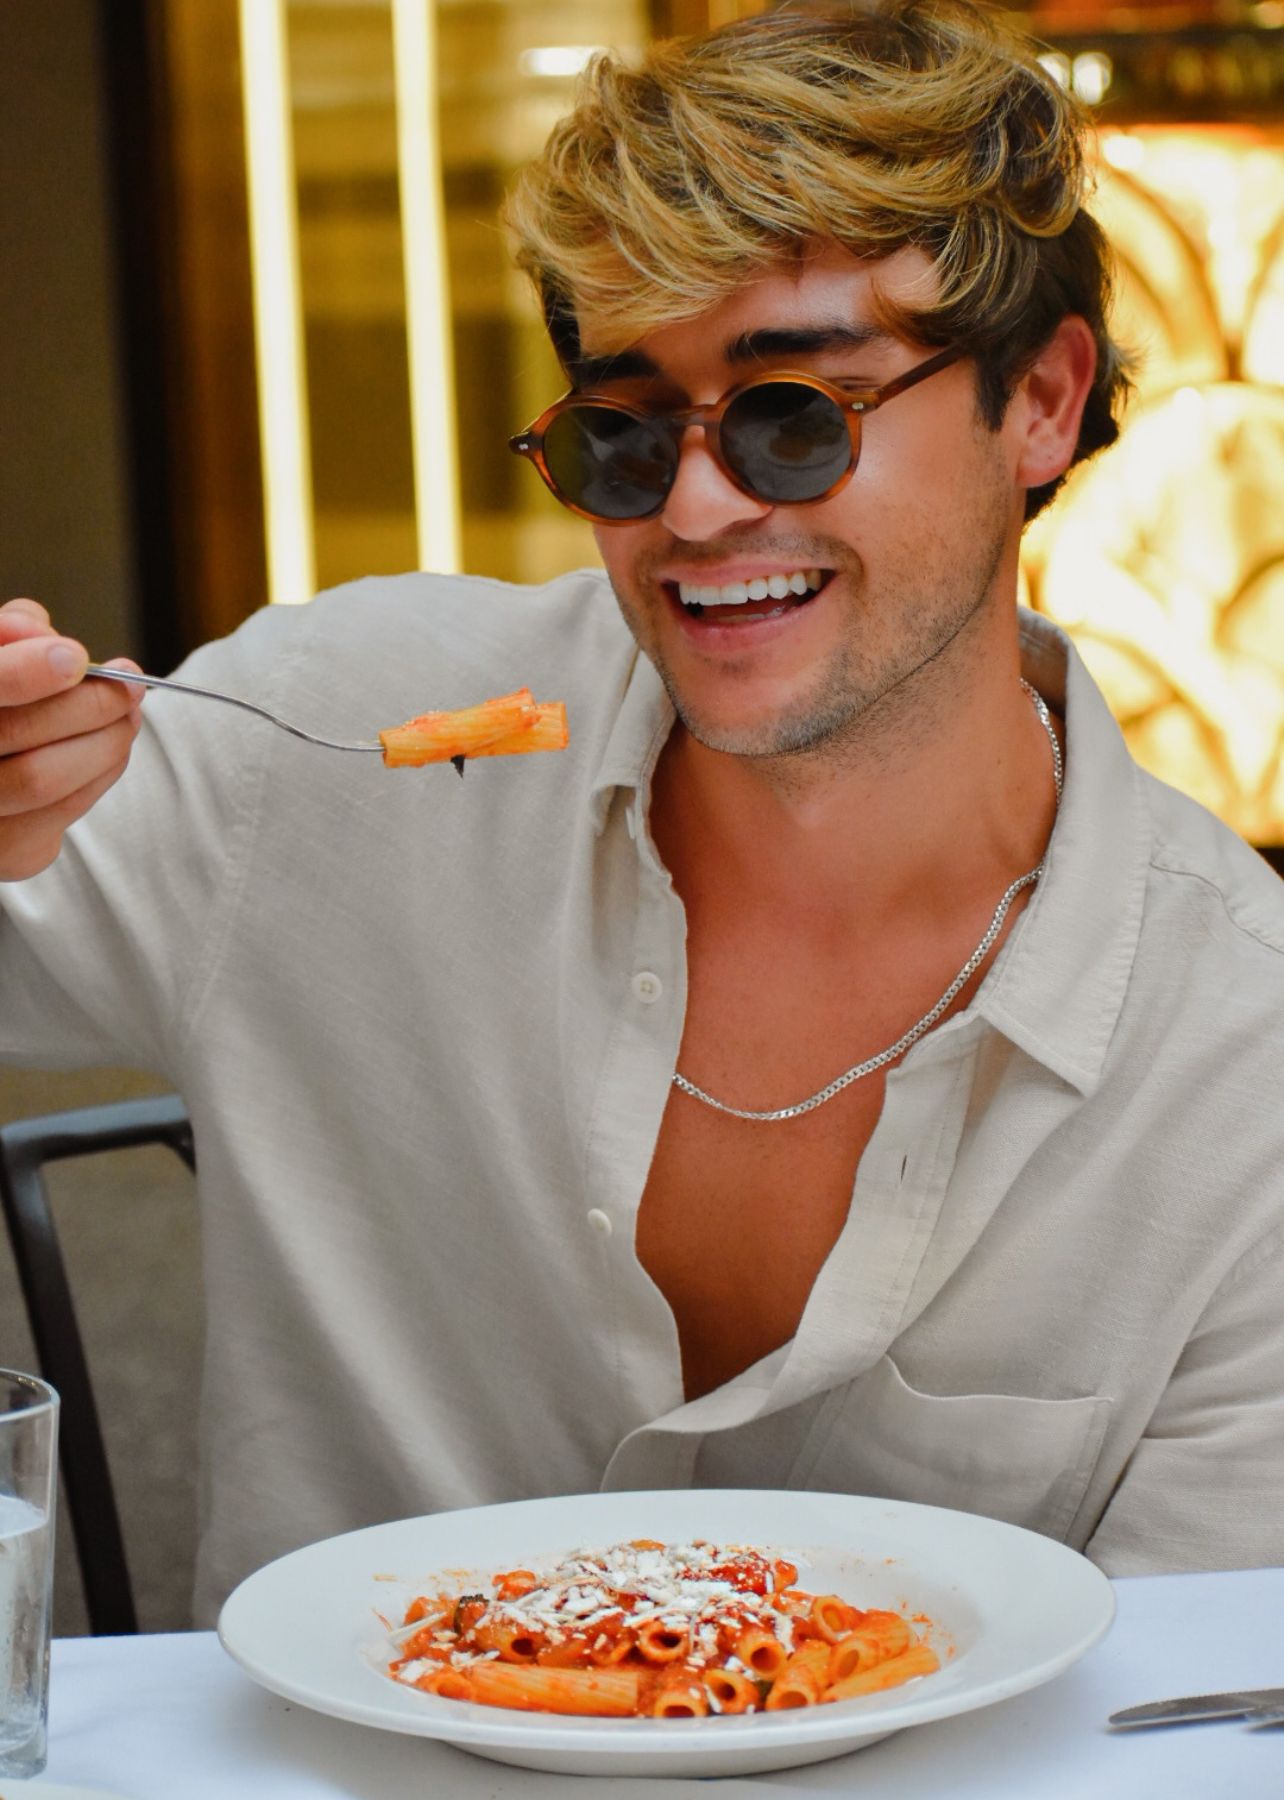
28,1462
24,1623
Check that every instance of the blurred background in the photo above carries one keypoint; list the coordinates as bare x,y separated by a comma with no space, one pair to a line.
258,335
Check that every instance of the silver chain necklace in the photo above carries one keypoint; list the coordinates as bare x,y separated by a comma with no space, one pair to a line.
929,1019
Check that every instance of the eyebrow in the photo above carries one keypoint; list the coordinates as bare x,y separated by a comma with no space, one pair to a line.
803,340
593,371
765,345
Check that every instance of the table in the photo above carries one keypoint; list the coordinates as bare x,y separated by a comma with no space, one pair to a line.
173,1718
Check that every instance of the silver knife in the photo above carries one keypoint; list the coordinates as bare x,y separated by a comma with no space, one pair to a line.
1272,1714
1242,1704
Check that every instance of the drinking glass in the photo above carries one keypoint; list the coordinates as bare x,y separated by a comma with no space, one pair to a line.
28,1468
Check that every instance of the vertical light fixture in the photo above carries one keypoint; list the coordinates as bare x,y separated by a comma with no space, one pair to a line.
423,239
278,308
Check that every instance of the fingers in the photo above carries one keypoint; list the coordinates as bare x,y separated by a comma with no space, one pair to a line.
135,694
42,777
35,662
31,841
43,661
72,714
64,739
22,618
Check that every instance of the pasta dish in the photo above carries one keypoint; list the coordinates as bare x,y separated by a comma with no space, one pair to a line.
657,1630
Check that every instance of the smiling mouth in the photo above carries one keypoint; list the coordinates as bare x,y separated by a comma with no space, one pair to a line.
741,602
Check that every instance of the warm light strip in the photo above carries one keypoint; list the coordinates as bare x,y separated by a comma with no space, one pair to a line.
423,238
278,309
557,60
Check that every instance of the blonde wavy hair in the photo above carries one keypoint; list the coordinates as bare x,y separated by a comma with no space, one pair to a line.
926,123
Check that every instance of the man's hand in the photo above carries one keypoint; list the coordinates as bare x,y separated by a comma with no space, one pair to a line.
63,740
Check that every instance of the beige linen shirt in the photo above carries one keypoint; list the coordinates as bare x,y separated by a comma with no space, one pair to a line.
426,1030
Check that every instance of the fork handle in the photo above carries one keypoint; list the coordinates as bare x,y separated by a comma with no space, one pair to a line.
163,681
260,712
181,687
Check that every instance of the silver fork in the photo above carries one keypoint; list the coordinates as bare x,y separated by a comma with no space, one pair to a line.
184,687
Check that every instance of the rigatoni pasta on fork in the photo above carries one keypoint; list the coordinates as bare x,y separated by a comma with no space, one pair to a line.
658,1630
509,725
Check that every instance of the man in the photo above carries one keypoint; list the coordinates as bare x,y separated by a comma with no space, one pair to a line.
842,1067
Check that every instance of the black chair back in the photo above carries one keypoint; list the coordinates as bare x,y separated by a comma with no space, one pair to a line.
25,1148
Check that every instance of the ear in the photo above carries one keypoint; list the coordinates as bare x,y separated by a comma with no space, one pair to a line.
1048,404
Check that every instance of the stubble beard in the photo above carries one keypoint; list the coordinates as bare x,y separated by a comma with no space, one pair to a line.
847,710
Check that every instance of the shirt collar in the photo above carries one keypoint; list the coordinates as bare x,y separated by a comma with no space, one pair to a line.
642,724
1058,985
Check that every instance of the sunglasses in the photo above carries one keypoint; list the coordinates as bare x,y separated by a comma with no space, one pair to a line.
784,439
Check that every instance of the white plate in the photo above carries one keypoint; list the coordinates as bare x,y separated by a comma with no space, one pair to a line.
1010,1609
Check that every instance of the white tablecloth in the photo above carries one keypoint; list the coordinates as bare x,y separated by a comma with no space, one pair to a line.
173,1718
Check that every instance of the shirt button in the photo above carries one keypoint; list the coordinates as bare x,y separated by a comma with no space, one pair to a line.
647,987
599,1221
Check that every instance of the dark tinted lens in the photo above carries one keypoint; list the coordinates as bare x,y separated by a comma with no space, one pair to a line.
786,441
608,463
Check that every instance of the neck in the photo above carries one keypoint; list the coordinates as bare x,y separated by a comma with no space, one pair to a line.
942,793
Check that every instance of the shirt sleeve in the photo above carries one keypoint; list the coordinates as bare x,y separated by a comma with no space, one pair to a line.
1202,1489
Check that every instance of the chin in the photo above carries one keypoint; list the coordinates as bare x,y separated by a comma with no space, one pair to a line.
767,733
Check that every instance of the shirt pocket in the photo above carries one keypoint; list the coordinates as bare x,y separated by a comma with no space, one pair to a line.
1013,1458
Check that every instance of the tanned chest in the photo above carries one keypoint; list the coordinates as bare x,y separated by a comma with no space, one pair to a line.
738,1217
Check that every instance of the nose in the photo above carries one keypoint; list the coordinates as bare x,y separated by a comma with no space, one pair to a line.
703,500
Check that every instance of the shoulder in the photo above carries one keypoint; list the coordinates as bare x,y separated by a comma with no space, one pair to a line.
463,613
431,636
1205,875
1202,1020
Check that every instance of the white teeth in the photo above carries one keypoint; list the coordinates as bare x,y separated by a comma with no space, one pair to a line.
762,587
